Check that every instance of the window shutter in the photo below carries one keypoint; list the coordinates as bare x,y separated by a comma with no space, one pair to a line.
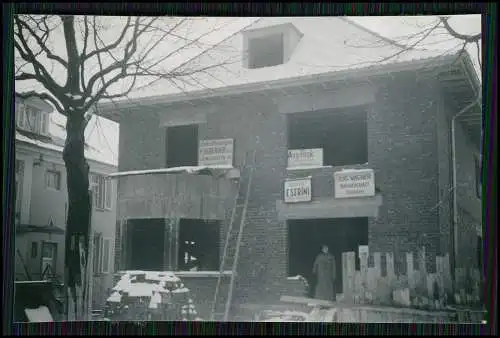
108,193
97,253
45,124
20,115
106,254
93,188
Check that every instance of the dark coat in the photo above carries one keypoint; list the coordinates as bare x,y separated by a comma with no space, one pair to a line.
324,269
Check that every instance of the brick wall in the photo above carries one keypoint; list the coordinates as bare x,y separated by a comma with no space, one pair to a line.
468,204
402,151
404,137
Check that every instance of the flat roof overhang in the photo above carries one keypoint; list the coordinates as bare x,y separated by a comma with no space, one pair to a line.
330,208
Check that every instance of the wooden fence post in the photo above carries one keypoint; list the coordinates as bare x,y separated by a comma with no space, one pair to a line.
410,270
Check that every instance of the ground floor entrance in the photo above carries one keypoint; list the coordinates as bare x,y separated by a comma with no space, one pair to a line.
306,236
146,244
182,245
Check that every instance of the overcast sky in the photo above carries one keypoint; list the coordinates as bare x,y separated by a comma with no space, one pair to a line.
103,134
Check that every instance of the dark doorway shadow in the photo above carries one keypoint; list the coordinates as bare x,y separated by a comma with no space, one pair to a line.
305,237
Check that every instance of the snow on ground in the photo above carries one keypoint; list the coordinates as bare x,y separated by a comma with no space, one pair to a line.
298,277
309,167
155,300
142,289
284,316
181,290
38,315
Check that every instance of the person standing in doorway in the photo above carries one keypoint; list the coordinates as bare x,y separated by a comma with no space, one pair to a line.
324,269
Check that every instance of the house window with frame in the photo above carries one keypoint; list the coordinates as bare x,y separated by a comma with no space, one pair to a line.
341,133
53,179
32,119
101,191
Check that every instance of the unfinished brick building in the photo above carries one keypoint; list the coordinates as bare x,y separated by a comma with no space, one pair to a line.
415,124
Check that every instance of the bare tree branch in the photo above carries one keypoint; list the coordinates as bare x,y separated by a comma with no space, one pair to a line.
479,57
454,33
83,54
41,74
25,76
41,41
112,45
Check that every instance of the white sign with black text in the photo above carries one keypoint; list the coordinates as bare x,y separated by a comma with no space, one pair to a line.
354,183
300,158
363,250
216,152
298,190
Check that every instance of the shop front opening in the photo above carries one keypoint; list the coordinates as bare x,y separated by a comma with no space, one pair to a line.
306,236
146,244
341,133
199,242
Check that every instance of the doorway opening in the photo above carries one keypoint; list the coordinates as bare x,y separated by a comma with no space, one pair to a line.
199,245
146,244
305,237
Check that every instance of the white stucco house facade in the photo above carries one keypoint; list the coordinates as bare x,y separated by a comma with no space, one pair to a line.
41,201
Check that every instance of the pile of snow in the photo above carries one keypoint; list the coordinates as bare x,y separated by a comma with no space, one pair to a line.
155,282
155,300
115,297
38,315
284,316
150,288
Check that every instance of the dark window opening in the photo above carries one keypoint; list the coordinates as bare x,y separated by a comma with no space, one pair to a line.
479,183
34,249
182,146
265,51
147,244
198,245
342,134
306,236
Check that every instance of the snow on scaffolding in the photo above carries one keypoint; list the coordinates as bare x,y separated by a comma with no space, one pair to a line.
174,170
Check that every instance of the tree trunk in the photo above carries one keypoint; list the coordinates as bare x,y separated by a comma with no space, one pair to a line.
76,275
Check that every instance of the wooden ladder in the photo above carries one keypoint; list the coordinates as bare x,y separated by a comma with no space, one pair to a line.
236,207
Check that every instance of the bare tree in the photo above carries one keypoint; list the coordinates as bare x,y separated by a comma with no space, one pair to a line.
426,37
93,70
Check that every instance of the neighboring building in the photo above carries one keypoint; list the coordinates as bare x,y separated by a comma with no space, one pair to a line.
394,117
42,202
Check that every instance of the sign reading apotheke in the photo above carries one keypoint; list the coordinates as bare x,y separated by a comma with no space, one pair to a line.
354,183
298,158
216,152
298,190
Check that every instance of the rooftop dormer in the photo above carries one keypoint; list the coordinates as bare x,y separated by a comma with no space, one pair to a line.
32,116
269,46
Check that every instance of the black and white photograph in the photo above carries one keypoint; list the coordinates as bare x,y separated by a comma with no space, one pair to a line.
260,169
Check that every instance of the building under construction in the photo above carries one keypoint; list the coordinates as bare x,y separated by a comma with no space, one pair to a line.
262,174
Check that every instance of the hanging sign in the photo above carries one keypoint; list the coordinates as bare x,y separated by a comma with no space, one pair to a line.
216,152
354,183
300,158
298,190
